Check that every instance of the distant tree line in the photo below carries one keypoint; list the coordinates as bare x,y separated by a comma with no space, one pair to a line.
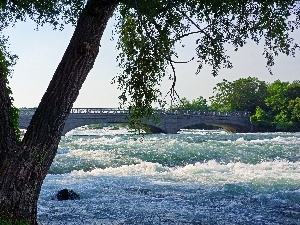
273,106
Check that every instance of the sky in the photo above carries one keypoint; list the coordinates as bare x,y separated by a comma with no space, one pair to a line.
40,52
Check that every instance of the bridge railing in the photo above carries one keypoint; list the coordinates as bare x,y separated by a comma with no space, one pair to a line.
209,113
98,111
30,111
27,111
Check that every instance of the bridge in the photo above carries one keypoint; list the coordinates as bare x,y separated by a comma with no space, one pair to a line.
169,121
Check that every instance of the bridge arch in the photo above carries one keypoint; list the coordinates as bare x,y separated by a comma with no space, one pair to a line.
230,121
233,128
78,120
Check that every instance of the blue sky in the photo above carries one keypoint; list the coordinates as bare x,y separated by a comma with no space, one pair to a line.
40,52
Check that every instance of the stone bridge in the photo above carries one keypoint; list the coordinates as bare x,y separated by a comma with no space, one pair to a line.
169,121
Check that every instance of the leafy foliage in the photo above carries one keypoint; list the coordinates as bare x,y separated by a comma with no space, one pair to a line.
149,33
55,12
242,94
261,120
274,107
143,66
196,104
294,107
283,108
277,98
7,61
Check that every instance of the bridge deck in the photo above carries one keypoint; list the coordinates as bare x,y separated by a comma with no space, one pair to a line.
170,121
30,111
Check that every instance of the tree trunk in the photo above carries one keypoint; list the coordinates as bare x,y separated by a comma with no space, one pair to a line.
26,164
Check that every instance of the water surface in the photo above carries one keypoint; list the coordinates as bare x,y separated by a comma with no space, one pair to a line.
194,177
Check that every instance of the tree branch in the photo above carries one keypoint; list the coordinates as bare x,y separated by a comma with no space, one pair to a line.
172,92
192,22
152,39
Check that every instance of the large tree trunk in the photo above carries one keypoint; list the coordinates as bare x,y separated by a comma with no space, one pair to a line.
23,166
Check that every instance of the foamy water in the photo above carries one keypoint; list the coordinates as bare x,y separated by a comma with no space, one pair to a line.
194,177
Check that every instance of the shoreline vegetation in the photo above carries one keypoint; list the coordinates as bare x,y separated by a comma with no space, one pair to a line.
274,107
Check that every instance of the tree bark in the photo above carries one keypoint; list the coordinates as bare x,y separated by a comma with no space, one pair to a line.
8,139
26,164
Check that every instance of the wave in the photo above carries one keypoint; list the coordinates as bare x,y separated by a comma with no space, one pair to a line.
198,178
88,153
278,172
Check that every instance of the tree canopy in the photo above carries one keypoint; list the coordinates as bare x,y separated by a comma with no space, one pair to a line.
273,106
283,109
149,33
243,94
199,103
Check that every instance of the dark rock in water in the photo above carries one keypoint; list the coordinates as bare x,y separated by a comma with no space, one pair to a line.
66,194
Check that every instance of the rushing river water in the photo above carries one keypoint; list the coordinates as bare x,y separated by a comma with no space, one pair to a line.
194,177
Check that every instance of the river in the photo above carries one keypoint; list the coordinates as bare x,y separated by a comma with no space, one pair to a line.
194,177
